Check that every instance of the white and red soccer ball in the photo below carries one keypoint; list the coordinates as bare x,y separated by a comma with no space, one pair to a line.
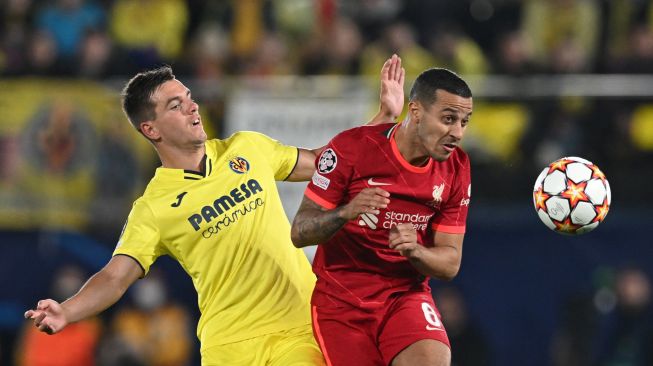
571,196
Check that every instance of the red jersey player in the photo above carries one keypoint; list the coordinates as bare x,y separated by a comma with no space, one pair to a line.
387,206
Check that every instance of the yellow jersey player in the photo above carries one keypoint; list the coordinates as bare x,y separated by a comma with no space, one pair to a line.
214,207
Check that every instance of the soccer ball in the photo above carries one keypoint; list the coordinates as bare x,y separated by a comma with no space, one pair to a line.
571,196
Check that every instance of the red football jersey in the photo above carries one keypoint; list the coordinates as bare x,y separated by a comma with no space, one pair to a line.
356,265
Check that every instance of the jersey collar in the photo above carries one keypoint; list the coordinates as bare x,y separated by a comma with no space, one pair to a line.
395,151
206,164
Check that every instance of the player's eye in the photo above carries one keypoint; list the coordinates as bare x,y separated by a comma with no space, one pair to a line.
449,119
176,106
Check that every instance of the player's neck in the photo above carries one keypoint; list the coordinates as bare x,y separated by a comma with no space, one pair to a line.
182,158
408,144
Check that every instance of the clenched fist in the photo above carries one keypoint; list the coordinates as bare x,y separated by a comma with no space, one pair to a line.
403,238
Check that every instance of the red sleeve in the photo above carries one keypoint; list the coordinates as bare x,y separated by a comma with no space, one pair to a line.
453,213
333,171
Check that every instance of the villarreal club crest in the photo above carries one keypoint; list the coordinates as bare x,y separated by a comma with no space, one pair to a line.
239,165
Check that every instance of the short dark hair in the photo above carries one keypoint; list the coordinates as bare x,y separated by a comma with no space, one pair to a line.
137,94
429,81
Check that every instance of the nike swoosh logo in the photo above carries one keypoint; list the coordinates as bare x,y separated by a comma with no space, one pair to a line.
179,198
373,183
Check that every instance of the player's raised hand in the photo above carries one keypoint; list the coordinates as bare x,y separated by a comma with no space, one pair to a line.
392,87
369,200
48,316
403,238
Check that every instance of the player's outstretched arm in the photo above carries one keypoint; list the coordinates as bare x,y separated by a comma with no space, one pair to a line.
313,224
101,291
305,166
441,261
391,104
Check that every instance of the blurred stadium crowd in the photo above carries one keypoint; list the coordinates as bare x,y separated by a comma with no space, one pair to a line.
213,42
83,50
210,39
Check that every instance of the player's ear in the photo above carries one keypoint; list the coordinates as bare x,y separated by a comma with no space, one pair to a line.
415,110
149,130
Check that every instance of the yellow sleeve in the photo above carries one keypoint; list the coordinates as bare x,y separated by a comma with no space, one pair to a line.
140,237
282,158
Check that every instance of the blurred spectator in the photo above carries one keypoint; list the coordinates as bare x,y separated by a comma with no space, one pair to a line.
42,56
343,49
373,16
67,21
99,58
486,20
573,339
94,55
454,50
299,18
564,33
243,27
513,55
154,331
74,346
15,26
638,57
567,57
270,58
208,52
251,20
116,351
335,51
628,334
152,31
401,39
620,17
469,346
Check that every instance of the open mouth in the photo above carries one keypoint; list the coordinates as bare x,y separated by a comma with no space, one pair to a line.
196,122
449,147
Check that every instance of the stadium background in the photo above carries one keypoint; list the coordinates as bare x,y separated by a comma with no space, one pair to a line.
550,79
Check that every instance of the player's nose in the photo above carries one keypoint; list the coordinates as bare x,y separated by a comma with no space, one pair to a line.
457,131
194,107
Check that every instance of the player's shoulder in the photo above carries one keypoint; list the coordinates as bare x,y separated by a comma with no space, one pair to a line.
242,137
359,132
143,201
354,138
155,189
158,188
251,140
142,206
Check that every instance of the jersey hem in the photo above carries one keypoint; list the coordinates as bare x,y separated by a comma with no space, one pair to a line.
294,166
206,345
448,229
136,260
319,200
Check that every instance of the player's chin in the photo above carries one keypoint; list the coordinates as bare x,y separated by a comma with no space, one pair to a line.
201,138
440,156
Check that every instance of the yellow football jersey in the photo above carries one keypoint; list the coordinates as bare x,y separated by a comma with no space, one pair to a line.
228,230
